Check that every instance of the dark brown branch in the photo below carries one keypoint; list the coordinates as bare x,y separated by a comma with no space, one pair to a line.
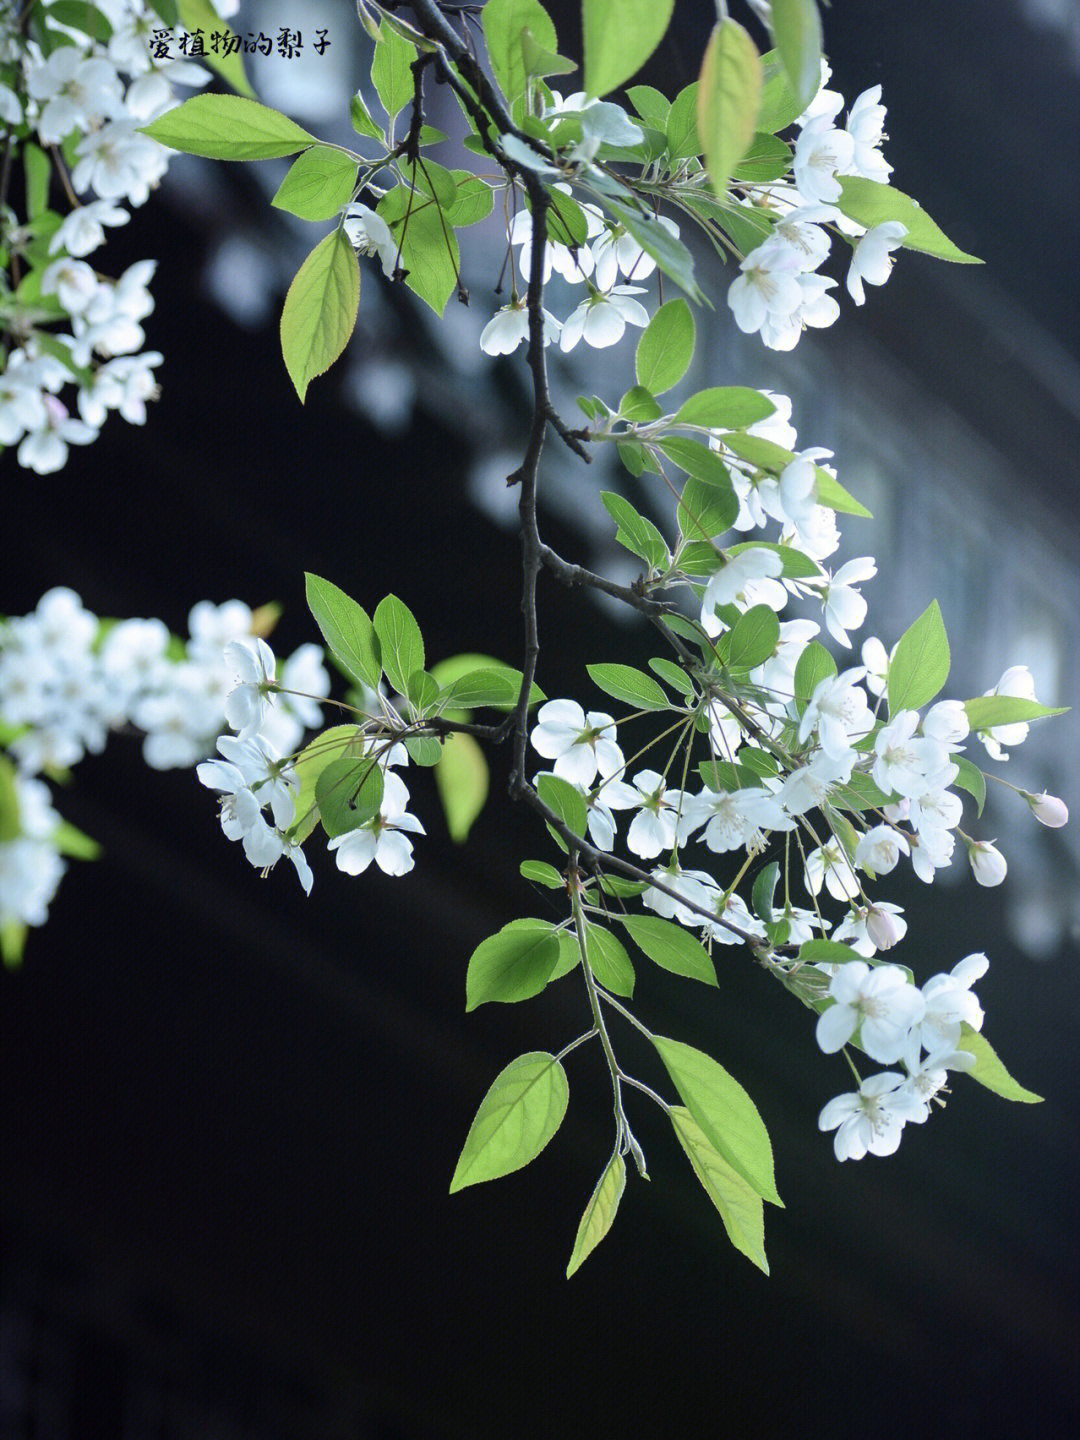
573,575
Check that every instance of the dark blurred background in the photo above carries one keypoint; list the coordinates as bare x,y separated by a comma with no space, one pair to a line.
231,1114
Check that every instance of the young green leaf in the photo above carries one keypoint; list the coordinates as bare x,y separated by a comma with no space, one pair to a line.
725,407
319,183
639,404
815,664
333,744
797,566
201,15
619,36
517,1117
320,308
729,99
68,839
504,22
429,250
496,688
682,131
987,711
768,158
671,947
12,942
769,456
462,779
390,72
989,1070
871,203
567,802
360,116
971,779
599,1213
37,168
635,532
739,1204
609,961
764,890
725,1112
632,687
666,347
670,254
348,792
920,666
400,643
675,676
697,460
541,873
706,510
797,28
754,637
228,127
653,107
514,964
346,628
473,201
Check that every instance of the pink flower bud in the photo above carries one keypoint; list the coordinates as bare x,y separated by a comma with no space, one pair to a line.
987,863
1048,810
883,929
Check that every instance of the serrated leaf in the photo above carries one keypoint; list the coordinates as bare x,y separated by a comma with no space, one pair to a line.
728,101
796,27
473,201
705,511
401,645
318,184
697,459
639,404
771,457
674,674
429,248
871,203
986,712
619,36
390,72
666,347
348,793
538,61
797,566
632,687
542,873
989,1070
754,637
565,799
653,107
779,107
682,132
320,309
503,22
725,1112
496,687
815,664
333,744
599,1213
635,532
671,947
424,750
517,1117
360,117
566,219
609,961
739,1204
763,892
462,779
725,407
346,628
228,127
199,14
670,254
971,779
768,158
514,964
920,666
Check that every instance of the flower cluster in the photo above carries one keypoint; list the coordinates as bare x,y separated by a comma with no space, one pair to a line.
31,863
84,99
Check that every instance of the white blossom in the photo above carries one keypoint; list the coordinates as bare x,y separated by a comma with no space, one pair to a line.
872,260
839,711
579,744
828,865
866,126
1049,810
878,1004
871,1119
383,839
821,151
601,320
1017,682
987,862
950,1003
369,234
879,850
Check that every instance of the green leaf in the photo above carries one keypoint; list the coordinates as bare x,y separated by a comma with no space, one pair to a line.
989,1070
461,776
538,61
429,248
390,72
675,676
729,100
569,955
503,22
666,347
424,750
566,219
632,687
764,890
514,964
435,180
725,1112
566,801
320,309
754,637
797,28
860,793
12,942
37,168
815,664
671,947
639,404
609,961
670,254
619,36
920,666
517,1117
496,688
971,779
83,17
768,158
333,744
697,460
871,203
653,107
797,566
725,407
472,202
739,1204
779,107
599,1213
348,792
773,458
346,628
635,532
200,14
318,184
542,873
986,712
831,951
400,641
227,127
704,511
10,820
362,123
71,841
682,131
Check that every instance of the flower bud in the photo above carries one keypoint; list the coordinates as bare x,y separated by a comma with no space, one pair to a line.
987,863
1048,809
883,929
